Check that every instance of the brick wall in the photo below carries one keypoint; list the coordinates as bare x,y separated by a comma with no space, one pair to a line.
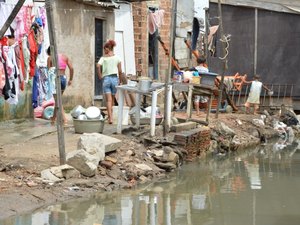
140,20
196,141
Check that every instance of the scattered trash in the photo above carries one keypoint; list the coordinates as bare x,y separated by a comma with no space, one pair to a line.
31,183
75,188
239,122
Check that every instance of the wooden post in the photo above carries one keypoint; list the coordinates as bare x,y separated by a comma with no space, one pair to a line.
11,17
224,60
206,33
167,78
58,100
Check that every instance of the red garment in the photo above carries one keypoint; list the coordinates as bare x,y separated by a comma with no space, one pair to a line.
22,62
4,41
33,53
22,66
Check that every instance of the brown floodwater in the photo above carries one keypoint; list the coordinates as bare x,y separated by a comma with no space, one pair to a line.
257,187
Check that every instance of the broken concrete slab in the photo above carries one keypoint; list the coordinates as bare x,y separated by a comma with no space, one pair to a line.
183,126
93,144
50,177
65,171
84,162
57,170
95,140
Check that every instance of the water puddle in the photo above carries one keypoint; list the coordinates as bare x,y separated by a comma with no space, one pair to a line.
256,187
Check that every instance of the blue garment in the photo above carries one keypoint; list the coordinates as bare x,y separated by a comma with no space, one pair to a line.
109,84
35,89
39,21
63,82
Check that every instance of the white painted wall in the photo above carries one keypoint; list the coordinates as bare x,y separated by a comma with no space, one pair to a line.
124,37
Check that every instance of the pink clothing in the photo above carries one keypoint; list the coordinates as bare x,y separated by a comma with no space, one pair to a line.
155,20
2,77
62,64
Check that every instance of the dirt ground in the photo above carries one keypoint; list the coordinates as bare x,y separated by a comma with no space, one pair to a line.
24,155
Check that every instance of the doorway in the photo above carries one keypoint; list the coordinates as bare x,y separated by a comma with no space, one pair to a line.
98,53
153,56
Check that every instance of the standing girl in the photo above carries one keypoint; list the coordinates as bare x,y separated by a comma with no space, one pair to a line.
109,67
63,63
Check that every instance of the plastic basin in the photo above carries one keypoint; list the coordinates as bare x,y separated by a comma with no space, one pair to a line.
208,78
88,126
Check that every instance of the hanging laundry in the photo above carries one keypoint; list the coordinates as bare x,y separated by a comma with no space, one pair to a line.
33,53
27,18
13,77
51,79
22,67
212,40
43,15
155,20
5,11
26,54
2,76
37,26
35,89
43,87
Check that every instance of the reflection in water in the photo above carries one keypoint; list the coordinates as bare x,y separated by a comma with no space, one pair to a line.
254,187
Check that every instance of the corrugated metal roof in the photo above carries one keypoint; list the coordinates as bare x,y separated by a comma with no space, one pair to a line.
103,3
289,6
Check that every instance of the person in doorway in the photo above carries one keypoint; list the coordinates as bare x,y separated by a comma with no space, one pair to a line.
63,63
200,68
109,69
254,94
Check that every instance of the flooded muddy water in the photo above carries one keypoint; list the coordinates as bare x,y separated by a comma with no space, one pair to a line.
257,187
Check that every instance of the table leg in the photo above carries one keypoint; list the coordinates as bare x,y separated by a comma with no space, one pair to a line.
189,103
120,111
153,113
209,108
138,110
169,106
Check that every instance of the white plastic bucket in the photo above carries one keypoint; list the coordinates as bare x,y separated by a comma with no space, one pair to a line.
125,115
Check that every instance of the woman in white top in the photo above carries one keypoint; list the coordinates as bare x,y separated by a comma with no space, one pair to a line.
109,67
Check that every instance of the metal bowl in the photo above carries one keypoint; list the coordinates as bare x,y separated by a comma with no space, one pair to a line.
77,111
93,112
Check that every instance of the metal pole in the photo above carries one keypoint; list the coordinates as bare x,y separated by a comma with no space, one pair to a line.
11,17
224,60
58,100
255,41
167,78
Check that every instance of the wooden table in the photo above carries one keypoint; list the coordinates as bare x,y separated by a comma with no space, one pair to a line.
197,89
